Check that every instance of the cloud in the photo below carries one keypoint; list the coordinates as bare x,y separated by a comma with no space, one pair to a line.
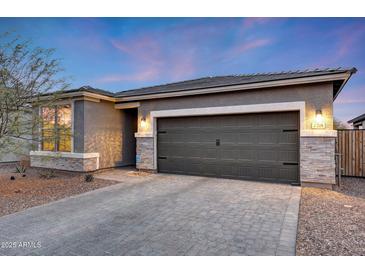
346,101
253,44
85,35
183,67
348,38
180,51
352,96
144,49
137,76
152,59
246,46
252,21
345,42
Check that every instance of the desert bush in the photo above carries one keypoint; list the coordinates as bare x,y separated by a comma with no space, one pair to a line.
89,178
47,173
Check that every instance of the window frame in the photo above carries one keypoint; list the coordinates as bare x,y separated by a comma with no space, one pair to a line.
56,127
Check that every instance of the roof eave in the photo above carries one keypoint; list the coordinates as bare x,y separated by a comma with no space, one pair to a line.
78,93
357,119
267,84
350,73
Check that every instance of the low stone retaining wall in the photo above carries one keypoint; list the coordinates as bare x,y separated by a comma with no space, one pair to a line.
81,162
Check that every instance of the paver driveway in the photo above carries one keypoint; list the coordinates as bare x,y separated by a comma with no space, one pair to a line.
161,214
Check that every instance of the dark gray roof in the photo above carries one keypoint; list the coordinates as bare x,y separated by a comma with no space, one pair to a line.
92,90
221,81
357,119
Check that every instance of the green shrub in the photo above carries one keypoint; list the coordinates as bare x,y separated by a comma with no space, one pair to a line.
20,169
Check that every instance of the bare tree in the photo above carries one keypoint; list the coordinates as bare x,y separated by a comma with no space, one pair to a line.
338,124
27,73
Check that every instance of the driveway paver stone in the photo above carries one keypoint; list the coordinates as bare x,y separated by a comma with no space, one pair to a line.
161,214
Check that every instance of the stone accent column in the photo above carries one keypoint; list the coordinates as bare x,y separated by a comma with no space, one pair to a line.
317,160
145,153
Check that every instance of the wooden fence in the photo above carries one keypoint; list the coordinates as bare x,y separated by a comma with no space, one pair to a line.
350,144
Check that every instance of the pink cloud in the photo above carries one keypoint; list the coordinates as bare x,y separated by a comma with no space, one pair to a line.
153,59
247,46
351,96
251,21
144,49
253,44
183,67
345,101
348,40
148,74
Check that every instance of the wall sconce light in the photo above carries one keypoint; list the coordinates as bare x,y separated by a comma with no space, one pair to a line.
319,122
143,122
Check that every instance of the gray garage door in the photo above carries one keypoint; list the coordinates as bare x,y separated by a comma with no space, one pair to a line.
260,147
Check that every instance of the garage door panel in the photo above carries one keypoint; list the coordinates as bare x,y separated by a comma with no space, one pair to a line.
267,155
250,146
246,171
268,137
288,173
229,154
288,156
289,138
267,173
247,154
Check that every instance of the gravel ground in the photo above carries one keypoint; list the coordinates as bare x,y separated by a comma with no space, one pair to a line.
333,222
29,191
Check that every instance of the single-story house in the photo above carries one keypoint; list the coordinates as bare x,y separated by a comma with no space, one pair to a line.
358,122
268,127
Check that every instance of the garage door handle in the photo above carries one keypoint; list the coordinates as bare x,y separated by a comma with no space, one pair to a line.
290,130
162,157
290,164
217,142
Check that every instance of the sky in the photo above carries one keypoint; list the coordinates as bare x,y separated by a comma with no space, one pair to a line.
118,54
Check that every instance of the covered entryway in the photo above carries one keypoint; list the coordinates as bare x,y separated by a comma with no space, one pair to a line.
258,146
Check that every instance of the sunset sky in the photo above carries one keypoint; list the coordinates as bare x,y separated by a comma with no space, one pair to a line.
117,54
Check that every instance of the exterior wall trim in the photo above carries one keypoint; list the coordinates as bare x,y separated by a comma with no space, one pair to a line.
127,105
64,154
319,133
86,94
143,134
238,109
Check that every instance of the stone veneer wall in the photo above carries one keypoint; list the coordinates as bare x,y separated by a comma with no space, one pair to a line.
317,160
65,163
144,157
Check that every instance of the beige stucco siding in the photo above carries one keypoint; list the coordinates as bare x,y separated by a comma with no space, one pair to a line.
107,131
315,96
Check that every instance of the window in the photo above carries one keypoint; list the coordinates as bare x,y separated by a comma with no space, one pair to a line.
56,129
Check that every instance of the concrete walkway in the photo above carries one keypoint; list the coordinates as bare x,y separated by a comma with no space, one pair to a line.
160,214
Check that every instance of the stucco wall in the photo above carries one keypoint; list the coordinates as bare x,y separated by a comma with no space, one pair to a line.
107,131
15,150
316,96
